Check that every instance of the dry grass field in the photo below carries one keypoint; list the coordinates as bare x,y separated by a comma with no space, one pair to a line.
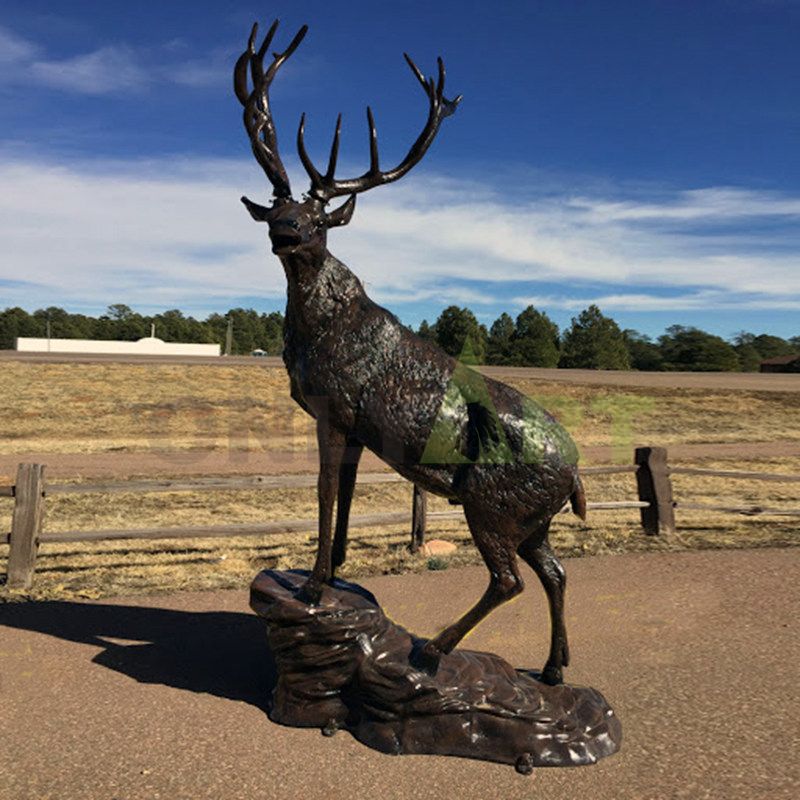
105,408
111,407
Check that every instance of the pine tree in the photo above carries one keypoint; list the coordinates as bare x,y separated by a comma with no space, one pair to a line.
594,342
457,325
691,349
427,332
643,352
498,346
772,346
534,342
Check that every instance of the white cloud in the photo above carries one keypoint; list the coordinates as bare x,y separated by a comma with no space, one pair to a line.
641,301
14,48
199,74
725,204
173,234
554,239
109,69
143,232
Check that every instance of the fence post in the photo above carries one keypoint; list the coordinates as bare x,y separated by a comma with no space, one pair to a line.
655,488
26,525
419,518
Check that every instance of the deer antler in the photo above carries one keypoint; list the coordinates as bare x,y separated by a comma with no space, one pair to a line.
257,114
325,187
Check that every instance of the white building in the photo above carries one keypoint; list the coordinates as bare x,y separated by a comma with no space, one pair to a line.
148,346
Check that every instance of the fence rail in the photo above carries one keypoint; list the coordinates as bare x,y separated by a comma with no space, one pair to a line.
620,469
217,531
747,511
778,477
654,488
238,482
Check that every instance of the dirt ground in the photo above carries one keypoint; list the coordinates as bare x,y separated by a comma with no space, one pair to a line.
221,462
168,418
108,420
165,697
744,381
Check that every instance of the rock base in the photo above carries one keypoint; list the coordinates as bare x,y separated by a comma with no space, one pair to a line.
344,664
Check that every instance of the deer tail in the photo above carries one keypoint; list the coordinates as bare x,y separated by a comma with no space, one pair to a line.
578,499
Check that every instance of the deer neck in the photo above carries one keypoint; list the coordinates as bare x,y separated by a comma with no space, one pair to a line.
320,288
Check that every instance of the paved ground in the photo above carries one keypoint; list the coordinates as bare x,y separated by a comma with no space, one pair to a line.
163,697
744,381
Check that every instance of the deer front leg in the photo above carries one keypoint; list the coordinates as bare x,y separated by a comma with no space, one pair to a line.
331,444
347,482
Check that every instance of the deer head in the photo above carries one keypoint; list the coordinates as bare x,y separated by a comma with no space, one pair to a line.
302,225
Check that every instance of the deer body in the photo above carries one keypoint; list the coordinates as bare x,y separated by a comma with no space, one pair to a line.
370,382
338,373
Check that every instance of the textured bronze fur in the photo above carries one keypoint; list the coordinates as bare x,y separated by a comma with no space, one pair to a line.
370,382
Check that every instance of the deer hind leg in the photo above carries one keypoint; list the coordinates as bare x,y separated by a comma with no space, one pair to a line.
332,445
536,551
348,470
505,582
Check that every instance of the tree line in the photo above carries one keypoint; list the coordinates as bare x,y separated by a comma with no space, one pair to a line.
595,341
250,330
592,341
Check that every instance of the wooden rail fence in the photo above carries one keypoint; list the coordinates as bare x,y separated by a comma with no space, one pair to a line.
654,488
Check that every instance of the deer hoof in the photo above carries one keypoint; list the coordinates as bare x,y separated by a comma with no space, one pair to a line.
310,593
524,764
330,728
552,676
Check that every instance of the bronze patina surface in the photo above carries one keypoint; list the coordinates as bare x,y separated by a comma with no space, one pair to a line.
342,664
370,382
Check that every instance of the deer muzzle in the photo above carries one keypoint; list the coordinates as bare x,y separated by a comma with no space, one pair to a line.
284,238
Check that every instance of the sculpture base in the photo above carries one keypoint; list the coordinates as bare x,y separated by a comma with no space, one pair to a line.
343,664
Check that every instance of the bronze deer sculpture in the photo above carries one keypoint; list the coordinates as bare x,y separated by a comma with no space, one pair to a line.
370,382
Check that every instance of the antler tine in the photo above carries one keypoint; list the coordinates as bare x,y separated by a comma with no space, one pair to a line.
257,115
240,76
325,188
257,59
440,84
281,57
334,150
374,169
262,51
316,178
417,72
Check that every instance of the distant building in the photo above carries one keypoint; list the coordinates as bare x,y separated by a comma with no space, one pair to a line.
148,346
782,364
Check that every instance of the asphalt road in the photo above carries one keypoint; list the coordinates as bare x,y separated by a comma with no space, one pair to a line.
741,381
163,697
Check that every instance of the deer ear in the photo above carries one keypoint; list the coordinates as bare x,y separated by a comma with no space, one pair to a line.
342,215
257,212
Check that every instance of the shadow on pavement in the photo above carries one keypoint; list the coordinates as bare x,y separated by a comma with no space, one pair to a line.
219,652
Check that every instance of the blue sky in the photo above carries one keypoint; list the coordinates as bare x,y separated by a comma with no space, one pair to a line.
642,155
